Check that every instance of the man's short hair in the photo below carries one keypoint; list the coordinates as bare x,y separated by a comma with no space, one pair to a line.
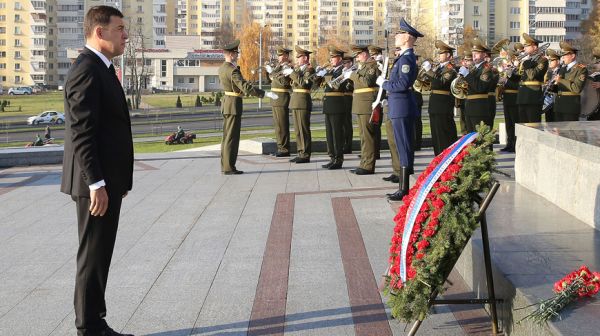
98,16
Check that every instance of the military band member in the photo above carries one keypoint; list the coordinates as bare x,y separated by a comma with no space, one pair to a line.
302,77
389,129
493,85
532,72
518,48
553,67
377,56
365,92
510,85
235,87
401,102
477,106
348,62
280,84
569,82
333,107
441,101
467,62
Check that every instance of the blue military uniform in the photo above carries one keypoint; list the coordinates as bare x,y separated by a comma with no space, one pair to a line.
403,108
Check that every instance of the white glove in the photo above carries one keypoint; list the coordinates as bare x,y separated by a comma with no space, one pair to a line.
384,103
321,72
287,71
271,95
426,65
525,58
380,67
268,68
463,71
380,80
347,74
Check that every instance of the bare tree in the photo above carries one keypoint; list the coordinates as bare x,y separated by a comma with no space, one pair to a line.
590,29
136,64
224,34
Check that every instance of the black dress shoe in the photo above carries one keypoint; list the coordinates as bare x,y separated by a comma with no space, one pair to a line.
395,179
361,171
388,178
302,160
294,159
282,154
110,332
327,165
337,165
233,172
505,149
397,196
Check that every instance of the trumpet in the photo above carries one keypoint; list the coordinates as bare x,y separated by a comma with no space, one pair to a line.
541,51
340,79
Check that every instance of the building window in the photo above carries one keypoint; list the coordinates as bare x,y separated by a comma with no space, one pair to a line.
17,54
17,79
163,68
179,80
515,10
476,24
2,65
515,25
476,10
191,80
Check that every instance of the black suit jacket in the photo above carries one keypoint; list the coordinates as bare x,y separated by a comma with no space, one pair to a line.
98,144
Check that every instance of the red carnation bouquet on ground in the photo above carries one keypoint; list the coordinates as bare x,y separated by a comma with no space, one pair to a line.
434,223
577,284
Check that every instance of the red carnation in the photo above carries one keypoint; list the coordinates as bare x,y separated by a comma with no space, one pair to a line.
422,245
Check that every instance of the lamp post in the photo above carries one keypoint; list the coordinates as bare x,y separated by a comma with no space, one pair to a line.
260,64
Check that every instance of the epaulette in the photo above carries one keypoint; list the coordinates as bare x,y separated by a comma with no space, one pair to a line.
581,65
487,65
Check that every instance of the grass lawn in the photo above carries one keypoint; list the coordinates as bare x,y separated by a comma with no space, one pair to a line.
167,100
33,104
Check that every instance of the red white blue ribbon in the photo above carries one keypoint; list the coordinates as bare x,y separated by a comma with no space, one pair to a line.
417,202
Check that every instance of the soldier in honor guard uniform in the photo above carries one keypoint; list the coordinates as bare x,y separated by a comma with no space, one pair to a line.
348,62
235,87
509,101
280,84
401,102
441,101
532,72
302,77
477,106
553,67
377,56
333,107
569,83
365,92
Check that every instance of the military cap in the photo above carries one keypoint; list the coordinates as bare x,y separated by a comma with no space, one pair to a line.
596,54
468,55
443,47
282,50
478,45
530,40
375,50
406,28
518,46
552,55
357,49
500,45
233,46
333,51
566,48
301,52
348,59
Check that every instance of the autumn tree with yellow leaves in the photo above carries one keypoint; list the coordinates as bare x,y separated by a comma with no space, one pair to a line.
249,49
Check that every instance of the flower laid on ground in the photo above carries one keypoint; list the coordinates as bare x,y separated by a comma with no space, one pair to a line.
579,283
435,222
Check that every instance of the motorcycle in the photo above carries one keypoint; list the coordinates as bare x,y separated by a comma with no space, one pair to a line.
188,138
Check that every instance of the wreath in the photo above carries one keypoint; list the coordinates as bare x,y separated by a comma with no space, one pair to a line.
441,208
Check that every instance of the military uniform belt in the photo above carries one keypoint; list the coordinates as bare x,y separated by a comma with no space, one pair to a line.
441,92
532,83
348,93
491,93
334,94
281,90
477,96
568,93
233,94
302,90
365,90
511,91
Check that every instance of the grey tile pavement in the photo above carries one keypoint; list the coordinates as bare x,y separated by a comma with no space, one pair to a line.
190,247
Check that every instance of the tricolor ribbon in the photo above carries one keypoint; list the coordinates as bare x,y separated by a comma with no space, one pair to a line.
417,202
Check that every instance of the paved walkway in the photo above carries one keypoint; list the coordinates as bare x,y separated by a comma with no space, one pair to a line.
282,249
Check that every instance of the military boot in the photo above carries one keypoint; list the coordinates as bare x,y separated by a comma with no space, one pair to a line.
403,185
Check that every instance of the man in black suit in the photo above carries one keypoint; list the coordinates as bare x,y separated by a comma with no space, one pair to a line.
98,160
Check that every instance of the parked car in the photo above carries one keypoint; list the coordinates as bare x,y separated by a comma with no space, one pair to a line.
47,117
21,90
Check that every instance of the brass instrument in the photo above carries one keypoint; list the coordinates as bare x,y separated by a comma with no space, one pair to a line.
541,51
340,79
459,86
423,82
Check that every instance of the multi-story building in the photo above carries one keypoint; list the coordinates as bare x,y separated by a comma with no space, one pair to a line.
69,23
